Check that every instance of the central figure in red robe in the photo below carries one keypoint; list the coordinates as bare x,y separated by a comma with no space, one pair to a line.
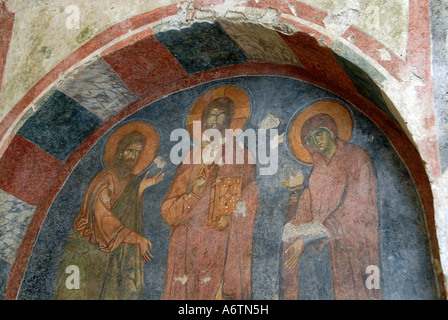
211,210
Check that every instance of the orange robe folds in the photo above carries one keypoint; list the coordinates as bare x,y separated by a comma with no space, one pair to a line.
204,263
341,200
109,268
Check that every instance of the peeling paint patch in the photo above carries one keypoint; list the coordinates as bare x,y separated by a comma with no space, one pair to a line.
275,141
182,279
385,20
160,162
384,54
270,122
241,209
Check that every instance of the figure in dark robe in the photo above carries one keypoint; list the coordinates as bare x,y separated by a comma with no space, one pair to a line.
105,242
211,210
338,208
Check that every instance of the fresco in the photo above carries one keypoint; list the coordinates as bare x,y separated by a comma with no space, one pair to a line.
328,211
339,206
106,244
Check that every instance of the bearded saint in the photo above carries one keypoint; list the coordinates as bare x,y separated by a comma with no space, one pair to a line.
210,258
339,207
105,242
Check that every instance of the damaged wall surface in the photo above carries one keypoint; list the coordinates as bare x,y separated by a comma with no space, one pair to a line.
73,72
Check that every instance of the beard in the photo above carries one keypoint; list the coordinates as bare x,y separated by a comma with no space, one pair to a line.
219,127
123,167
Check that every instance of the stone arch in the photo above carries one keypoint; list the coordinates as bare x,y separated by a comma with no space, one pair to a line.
151,63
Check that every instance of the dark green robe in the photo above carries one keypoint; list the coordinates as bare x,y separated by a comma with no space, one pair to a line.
107,271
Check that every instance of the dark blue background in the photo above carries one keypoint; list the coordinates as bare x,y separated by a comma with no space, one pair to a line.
405,259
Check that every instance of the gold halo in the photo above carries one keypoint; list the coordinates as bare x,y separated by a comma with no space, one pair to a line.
239,97
149,150
338,112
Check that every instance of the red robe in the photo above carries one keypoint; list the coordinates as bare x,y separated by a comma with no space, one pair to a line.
96,219
342,197
109,268
204,263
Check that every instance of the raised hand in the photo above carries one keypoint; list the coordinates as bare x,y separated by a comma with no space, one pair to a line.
150,181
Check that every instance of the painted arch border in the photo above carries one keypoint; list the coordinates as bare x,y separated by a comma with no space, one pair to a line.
116,38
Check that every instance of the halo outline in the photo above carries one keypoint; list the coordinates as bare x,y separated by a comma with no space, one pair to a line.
240,98
335,109
149,151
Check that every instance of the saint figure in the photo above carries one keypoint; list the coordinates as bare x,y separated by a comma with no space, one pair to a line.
210,210
105,243
339,208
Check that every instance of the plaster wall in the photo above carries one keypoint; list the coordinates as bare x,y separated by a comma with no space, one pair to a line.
396,54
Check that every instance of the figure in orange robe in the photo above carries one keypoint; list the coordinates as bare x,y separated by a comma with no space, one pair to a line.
209,259
340,208
105,243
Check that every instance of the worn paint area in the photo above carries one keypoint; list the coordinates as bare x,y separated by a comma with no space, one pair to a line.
339,92
260,216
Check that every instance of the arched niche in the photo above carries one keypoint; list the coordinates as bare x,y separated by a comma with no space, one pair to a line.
145,70
403,242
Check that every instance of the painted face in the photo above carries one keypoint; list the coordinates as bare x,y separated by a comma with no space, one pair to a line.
217,119
320,141
131,154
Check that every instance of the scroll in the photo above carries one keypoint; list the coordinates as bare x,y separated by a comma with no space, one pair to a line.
227,195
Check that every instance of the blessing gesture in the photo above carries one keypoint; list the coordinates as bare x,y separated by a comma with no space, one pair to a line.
150,181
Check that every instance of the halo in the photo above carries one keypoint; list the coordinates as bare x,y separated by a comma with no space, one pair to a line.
239,97
149,150
334,109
